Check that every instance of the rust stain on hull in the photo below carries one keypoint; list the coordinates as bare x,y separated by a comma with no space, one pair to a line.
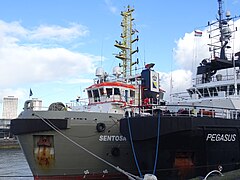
44,151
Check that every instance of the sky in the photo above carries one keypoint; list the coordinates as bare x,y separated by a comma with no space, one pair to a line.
54,46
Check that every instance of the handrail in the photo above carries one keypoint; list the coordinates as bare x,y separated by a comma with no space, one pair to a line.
190,110
214,171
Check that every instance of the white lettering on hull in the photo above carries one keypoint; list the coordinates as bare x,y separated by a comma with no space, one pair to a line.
221,137
112,138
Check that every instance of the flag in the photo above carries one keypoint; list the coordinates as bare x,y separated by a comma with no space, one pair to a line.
30,93
198,33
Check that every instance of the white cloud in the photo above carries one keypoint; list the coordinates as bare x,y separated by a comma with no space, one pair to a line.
176,81
110,6
58,33
26,61
79,81
31,64
31,56
12,29
191,50
19,92
14,32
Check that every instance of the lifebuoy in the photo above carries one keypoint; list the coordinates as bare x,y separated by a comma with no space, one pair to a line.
100,127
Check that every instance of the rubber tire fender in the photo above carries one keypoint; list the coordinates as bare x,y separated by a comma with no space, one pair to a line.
100,127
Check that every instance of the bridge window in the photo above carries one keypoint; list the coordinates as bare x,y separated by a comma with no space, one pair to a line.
231,89
89,93
213,91
116,91
223,88
101,91
132,93
96,95
109,92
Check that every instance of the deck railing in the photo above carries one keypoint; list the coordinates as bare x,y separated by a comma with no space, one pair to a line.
189,110
169,110
216,78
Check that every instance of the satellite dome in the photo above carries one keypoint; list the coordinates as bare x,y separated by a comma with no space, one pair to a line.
99,72
226,31
228,14
117,71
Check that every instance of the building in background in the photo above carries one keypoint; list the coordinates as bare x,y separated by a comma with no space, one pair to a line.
10,107
9,112
37,104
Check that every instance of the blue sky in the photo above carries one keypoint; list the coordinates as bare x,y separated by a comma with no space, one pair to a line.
54,46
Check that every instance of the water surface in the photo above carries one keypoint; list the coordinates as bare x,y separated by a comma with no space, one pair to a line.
13,165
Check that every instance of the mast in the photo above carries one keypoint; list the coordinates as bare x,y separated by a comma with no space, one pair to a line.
225,38
220,34
125,45
220,14
225,31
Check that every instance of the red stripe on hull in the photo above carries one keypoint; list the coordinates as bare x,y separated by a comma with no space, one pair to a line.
83,177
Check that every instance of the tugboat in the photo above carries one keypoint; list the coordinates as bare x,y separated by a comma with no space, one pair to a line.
83,141
198,131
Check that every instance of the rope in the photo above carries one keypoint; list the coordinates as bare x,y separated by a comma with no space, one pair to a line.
129,175
133,150
157,147
158,137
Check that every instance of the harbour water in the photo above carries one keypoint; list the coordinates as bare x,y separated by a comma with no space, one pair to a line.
13,165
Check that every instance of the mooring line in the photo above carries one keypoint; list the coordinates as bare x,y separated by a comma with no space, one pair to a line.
129,175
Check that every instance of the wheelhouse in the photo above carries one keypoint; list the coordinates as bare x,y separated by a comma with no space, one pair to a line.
111,92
